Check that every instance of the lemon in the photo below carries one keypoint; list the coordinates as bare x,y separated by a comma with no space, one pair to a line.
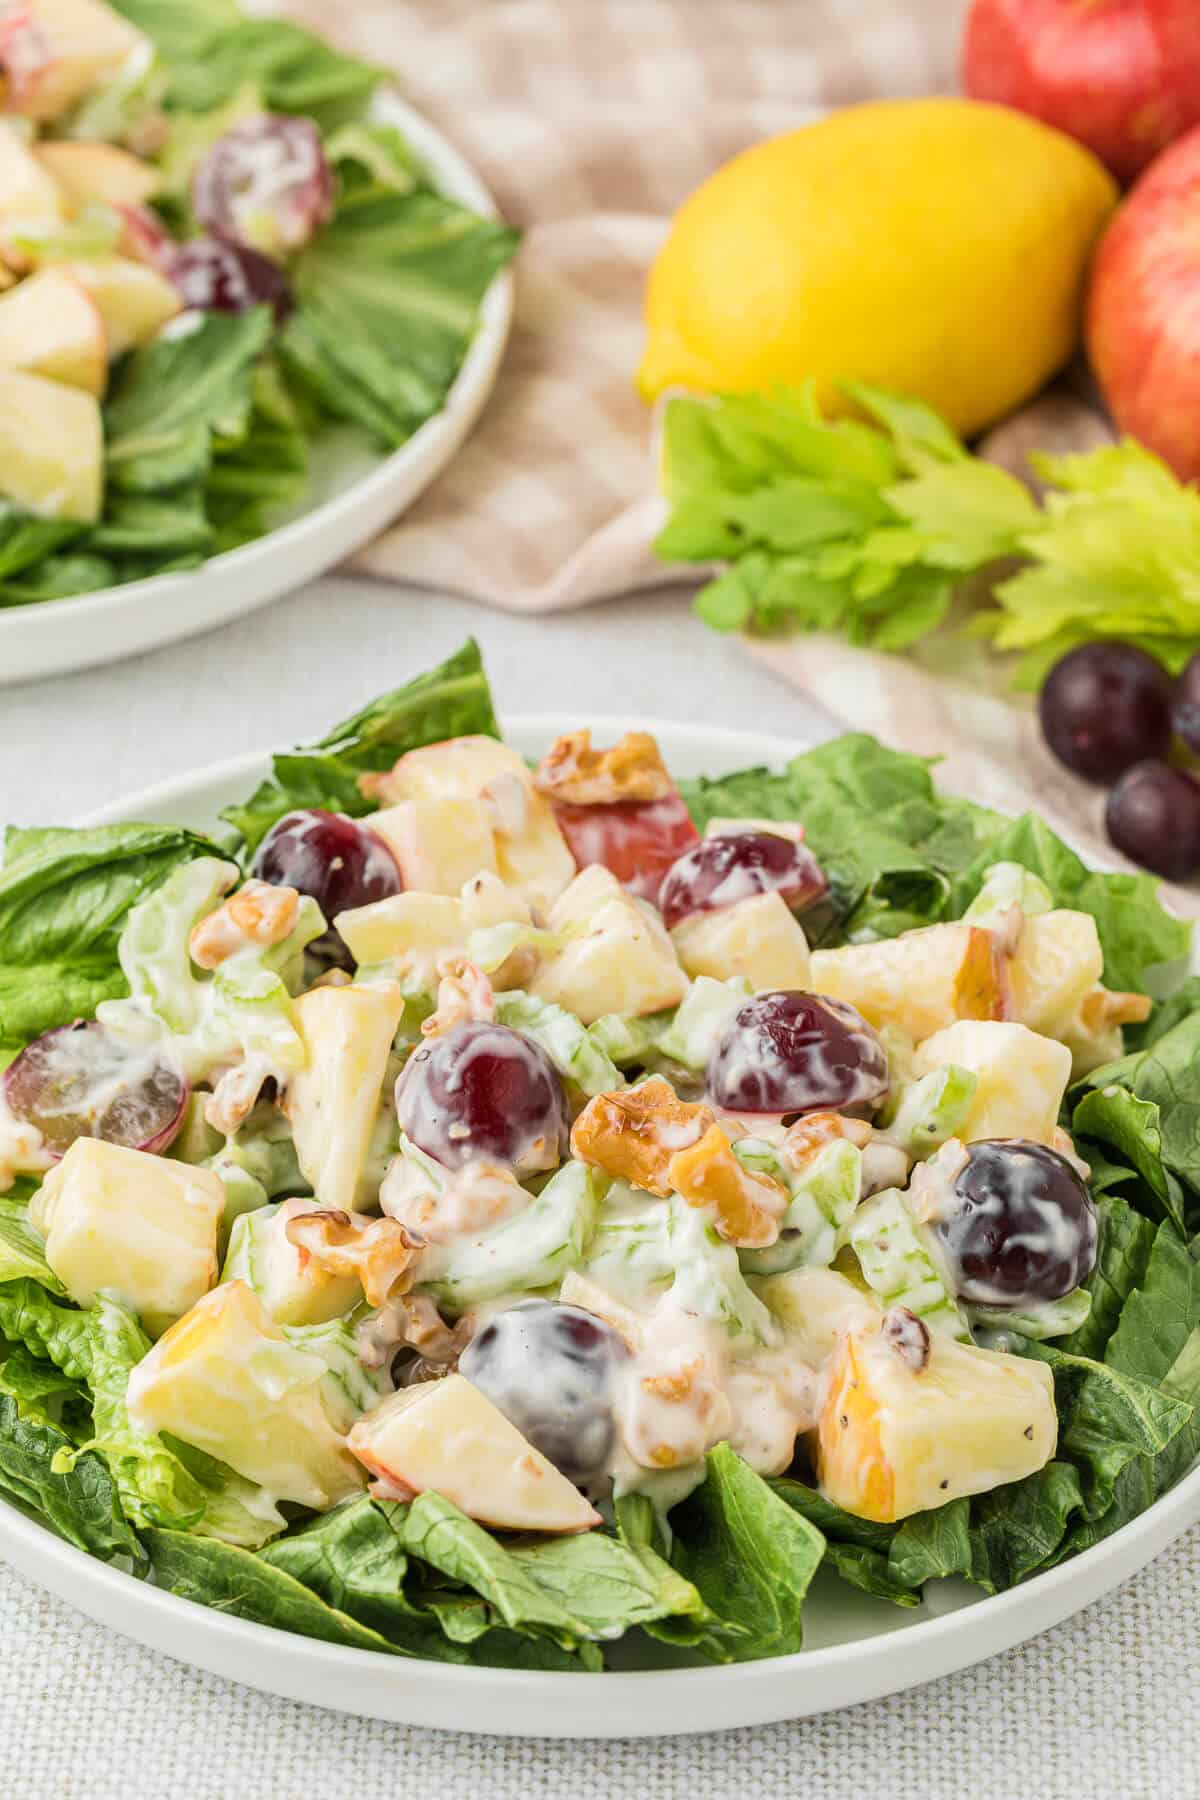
938,247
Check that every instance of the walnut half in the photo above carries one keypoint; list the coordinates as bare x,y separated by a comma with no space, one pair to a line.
572,772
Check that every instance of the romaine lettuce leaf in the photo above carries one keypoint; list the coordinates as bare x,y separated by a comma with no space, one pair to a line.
211,48
750,1554
451,700
79,1501
64,898
388,298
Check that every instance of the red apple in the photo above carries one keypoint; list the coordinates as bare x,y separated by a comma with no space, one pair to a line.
1121,76
1142,324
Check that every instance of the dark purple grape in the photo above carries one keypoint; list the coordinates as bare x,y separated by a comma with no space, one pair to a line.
81,1081
1185,714
550,1370
1105,707
720,871
1153,817
1020,1226
340,862
792,1052
266,184
484,1090
215,275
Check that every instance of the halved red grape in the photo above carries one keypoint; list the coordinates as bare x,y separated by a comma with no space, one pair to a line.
81,1081
337,860
792,1052
484,1091
1153,817
1105,707
637,839
722,870
266,184
1021,1226
551,1369
1185,713
215,275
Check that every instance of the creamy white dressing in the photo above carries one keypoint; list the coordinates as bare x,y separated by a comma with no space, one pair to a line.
471,1200
22,1148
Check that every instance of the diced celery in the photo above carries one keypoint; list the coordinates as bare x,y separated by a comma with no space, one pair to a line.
824,1195
709,1281
1008,884
931,1110
899,1264
700,1018
1050,1319
565,1039
529,1251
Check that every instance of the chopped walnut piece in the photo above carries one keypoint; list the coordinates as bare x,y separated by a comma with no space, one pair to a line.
571,771
1100,1010
811,1133
413,1322
379,1251
258,913
747,1206
675,1384
464,995
632,1134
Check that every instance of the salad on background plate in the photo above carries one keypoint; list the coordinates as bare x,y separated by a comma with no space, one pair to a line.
501,1214
217,267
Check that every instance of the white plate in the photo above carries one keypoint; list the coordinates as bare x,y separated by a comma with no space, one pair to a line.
354,493
858,1647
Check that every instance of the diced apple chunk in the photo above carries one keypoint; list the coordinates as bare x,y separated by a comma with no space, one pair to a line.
333,1102
135,301
437,844
51,448
1058,959
1022,1077
50,326
531,854
414,933
618,959
226,1380
918,982
98,172
56,51
906,1428
447,1436
27,189
123,1222
758,938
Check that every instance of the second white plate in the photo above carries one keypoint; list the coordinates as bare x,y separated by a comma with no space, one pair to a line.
355,492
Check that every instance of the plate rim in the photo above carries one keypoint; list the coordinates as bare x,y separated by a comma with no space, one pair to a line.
459,180
624,1703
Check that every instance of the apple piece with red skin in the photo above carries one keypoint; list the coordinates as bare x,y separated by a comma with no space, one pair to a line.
637,839
54,52
1121,76
1142,320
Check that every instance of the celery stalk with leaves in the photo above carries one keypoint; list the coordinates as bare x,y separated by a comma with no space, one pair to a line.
869,526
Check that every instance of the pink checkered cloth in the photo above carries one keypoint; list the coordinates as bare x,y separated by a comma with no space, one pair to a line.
591,120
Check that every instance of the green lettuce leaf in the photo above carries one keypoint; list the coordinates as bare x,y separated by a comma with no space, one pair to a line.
212,48
1125,1239
177,399
750,1555
80,1502
451,700
64,899
387,302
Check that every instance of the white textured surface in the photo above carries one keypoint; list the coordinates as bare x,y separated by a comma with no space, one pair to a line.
1103,1706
